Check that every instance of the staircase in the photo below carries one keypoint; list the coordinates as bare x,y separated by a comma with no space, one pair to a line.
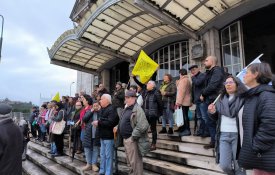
174,156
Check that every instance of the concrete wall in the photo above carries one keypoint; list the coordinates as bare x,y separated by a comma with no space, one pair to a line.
211,41
105,78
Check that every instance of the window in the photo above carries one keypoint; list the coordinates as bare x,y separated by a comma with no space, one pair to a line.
171,59
232,48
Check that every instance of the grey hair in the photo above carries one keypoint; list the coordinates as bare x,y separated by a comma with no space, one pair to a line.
108,97
152,82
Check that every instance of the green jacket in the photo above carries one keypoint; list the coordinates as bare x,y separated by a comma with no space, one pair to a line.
140,127
170,96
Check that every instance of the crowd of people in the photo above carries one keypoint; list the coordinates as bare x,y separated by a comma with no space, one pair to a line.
239,117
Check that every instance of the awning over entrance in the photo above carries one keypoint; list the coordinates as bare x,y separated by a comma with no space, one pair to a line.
118,29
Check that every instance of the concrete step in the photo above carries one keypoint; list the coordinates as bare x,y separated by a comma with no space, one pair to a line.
47,165
41,153
164,167
197,161
30,168
43,148
192,148
188,139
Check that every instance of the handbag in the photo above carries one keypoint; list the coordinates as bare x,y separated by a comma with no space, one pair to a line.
58,127
179,117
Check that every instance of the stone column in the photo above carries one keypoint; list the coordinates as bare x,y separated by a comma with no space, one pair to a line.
105,78
212,43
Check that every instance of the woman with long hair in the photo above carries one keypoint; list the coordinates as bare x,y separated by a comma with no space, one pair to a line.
59,138
226,112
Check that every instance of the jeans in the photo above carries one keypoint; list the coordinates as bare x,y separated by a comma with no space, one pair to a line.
167,115
82,135
53,148
106,157
210,124
201,112
228,150
91,154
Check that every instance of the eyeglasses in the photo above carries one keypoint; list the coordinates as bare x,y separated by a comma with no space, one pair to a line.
228,82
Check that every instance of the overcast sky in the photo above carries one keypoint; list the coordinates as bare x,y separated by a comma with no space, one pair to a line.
30,27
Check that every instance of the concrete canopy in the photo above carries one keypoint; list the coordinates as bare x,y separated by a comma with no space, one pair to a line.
119,29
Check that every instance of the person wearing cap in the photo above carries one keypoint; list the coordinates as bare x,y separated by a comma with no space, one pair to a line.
11,143
201,112
118,98
133,128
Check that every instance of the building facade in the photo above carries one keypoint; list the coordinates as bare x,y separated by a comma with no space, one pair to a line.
109,35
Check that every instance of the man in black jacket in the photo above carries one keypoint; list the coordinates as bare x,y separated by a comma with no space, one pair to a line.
213,84
153,108
118,98
33,117
11,143
108,119
201,108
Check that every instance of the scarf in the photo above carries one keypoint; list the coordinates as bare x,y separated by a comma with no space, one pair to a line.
230,108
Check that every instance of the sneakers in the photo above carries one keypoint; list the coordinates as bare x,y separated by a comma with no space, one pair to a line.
87,167
163,131
185,133
153,147
209,146
95,168
170,131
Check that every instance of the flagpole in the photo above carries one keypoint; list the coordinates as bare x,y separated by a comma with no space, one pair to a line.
251,63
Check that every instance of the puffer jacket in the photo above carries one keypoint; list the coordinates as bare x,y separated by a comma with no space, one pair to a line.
258,148
153,105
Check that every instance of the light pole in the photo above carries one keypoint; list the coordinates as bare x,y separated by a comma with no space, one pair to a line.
1,39
71,88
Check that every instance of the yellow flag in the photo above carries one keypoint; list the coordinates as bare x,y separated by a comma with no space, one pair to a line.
56,97
144,67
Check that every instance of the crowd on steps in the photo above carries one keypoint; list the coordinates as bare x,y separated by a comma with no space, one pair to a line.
238,116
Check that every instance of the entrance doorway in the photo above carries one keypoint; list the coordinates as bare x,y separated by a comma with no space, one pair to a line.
259,35
119,72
